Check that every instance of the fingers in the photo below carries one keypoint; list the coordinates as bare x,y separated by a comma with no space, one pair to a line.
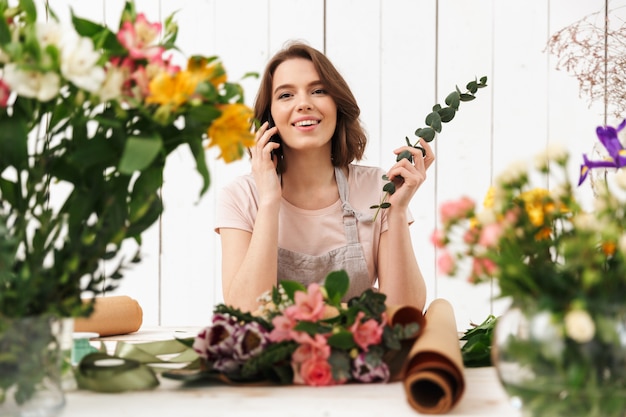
422,151
264,146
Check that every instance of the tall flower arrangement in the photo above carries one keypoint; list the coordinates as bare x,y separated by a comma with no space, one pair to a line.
88,117
561,349
539,244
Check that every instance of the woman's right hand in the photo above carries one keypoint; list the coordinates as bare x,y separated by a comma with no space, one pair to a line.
264,166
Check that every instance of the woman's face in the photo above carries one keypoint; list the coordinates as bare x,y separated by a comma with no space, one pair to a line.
306,116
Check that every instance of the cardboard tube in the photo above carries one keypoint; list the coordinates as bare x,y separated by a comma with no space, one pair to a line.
434,375
113,315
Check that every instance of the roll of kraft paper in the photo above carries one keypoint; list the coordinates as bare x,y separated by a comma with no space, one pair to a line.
434,375
112,316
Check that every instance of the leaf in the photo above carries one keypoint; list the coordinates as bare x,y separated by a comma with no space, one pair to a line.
291,287
476,352
339,362
85,27
139,153
197,150
30,9
5,33
342,340
309,327
434,120
13,138
426,133
273,354
390,188
447,114
453,100
336,284
404,155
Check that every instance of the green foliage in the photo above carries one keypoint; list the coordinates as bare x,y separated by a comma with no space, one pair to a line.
476,350
433,122
273,364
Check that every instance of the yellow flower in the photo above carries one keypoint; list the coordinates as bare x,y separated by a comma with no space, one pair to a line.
535,206
231,131
489,199
202,69
171,90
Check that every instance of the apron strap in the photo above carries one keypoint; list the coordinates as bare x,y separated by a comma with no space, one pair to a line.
344,195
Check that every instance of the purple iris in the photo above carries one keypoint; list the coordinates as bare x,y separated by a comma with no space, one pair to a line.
617,153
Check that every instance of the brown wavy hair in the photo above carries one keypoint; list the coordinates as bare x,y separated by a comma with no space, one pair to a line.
349,138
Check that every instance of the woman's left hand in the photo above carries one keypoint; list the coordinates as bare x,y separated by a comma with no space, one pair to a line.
407,176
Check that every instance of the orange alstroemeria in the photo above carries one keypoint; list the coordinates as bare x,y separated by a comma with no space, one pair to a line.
609,248
171,89
231,131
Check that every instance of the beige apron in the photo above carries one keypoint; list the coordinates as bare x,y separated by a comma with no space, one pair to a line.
307,269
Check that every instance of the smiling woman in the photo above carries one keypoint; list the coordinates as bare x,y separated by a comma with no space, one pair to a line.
305,212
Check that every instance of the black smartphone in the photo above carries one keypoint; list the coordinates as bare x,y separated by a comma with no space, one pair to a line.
275,138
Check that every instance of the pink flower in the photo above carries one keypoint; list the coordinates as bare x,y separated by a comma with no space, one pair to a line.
316,348
490,235
283,329
316,372
471,235
138,38
456,209
445,263
437,238
5,93
368,333
482,267
308,306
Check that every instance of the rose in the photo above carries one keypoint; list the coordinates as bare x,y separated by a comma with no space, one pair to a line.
315,371
456,209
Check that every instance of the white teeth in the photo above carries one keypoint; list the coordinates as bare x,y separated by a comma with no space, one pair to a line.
306,123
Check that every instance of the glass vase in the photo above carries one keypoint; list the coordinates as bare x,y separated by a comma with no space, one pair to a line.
32,356
554,364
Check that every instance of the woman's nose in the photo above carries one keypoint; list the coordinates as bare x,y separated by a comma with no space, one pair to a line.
305,103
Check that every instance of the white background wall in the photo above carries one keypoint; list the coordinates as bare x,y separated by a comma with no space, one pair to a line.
400,57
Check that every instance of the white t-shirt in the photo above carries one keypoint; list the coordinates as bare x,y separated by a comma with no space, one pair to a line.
312,232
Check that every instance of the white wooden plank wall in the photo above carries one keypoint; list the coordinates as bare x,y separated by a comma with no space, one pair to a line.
400,57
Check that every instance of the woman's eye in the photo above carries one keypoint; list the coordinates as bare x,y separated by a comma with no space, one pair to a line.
319,91
284,95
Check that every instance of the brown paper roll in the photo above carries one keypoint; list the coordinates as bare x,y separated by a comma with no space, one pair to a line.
112,316
434,375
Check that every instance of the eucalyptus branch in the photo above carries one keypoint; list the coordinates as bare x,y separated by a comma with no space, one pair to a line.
434,121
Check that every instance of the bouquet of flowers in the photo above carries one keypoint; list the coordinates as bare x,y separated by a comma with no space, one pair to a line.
306,336
560,349
88,117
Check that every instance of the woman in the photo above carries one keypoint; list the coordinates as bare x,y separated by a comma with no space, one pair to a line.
304,211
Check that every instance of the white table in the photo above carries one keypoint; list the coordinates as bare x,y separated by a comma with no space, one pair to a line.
483,397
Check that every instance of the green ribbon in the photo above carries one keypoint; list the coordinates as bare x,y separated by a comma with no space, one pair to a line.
133,366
